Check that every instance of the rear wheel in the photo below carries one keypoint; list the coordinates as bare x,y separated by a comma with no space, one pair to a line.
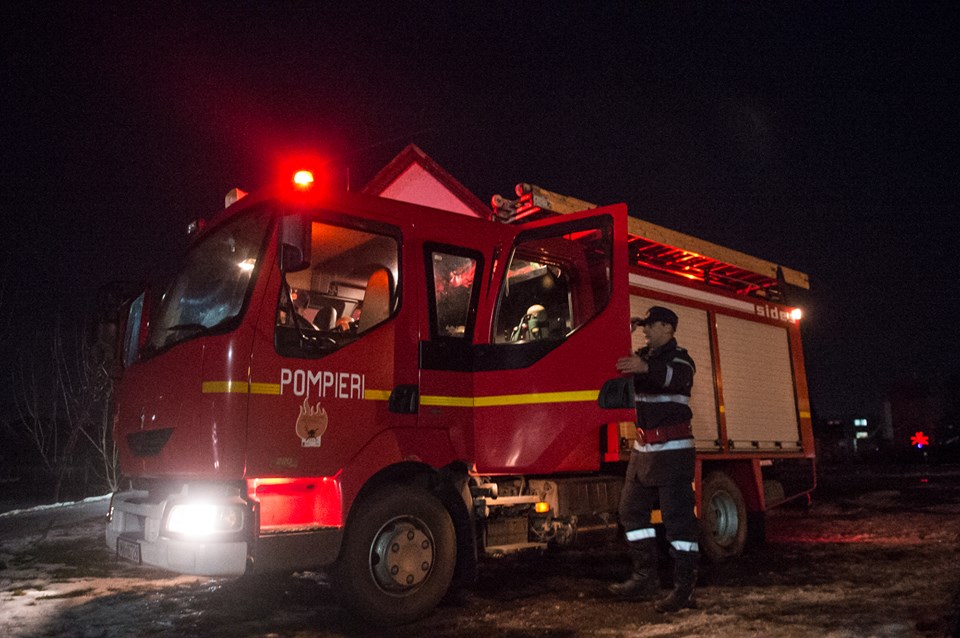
723,523
398,556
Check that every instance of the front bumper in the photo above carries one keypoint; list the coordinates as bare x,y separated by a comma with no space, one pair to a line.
137,520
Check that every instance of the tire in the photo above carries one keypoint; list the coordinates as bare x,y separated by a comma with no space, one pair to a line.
723,524
398,556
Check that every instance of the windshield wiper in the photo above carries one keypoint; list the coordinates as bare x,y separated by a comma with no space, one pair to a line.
191,329
196,328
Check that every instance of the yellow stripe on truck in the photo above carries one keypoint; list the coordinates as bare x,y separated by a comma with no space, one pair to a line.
511,399
225,387
573,396
265,388
239,387
447,402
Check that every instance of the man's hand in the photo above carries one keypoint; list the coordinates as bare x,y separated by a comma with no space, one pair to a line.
632,365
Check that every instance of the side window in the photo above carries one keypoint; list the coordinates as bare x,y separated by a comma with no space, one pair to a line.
557,280
350,287
451,291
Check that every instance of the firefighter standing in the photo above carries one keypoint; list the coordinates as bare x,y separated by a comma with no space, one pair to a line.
661,465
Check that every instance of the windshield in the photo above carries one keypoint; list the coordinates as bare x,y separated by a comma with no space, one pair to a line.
211,288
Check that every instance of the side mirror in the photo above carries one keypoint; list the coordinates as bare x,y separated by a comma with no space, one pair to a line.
617,393
294,249
135,332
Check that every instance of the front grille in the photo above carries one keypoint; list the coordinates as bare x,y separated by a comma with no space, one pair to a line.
148,442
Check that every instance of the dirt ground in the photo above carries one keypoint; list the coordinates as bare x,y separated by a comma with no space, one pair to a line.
873,555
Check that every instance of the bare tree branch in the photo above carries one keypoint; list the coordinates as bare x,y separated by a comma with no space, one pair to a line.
66,404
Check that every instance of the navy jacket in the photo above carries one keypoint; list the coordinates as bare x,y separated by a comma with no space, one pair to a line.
663,393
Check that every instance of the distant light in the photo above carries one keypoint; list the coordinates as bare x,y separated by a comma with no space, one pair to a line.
196,226
920,439
303,179
541,507
796,314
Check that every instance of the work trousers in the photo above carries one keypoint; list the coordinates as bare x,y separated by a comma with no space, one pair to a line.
665,477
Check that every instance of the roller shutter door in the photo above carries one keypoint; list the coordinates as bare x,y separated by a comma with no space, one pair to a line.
757,384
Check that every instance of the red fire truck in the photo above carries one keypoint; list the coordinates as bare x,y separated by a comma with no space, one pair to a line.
340,380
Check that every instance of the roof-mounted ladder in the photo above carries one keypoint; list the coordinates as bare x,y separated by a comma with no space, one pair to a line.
661,248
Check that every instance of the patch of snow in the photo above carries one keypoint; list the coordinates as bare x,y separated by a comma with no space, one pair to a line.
55,506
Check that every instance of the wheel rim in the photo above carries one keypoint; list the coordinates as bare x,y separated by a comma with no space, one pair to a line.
726,518
402,555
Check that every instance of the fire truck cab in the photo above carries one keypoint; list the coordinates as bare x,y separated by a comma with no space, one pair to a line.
333,379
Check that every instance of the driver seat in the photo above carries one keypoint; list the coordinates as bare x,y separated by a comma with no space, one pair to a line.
377,300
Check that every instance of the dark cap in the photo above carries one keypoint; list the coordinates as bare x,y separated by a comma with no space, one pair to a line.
655,314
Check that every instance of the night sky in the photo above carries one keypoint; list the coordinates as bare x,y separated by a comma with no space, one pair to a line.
822,136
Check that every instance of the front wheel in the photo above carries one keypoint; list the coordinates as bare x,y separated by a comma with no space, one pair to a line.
398,556
723,522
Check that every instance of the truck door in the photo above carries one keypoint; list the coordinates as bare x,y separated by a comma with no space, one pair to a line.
549,327
335,338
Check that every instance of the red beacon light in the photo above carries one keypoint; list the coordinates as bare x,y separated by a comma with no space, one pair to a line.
303,179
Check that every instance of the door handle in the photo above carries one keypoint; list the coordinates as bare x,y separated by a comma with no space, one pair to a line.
404,399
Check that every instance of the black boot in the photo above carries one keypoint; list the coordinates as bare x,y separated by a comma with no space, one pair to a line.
684,581
643,583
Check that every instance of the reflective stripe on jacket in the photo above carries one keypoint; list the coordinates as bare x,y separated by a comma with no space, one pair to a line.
663,393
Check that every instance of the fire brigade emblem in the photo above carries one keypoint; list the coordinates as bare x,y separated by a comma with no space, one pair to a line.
311,424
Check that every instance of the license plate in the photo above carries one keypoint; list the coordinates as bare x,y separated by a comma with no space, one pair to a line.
128,550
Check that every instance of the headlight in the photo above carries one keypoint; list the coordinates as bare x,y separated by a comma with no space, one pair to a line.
203,519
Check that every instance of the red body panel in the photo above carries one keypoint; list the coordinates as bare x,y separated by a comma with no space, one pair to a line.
208,437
